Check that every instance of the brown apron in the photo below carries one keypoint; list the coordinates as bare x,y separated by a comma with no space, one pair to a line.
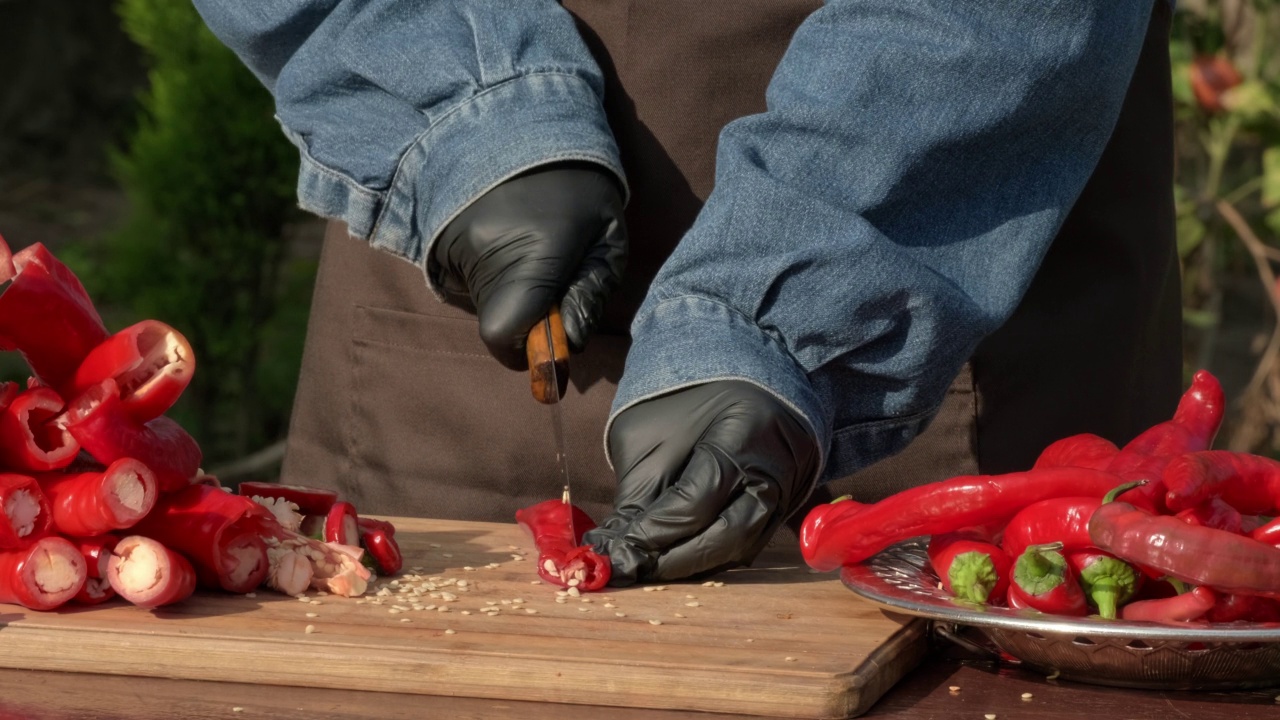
400,407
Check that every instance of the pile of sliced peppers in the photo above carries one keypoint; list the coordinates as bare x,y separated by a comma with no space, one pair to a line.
1161,529
101,492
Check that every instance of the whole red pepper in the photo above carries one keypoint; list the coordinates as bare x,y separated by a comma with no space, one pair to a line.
1244,608
383,550
1108,582
1194,554
1268,534
97,420
1248,483
43,575
340,525
310,501
29,439
970,566
1214,513
24,511
1062,520
837,537
148,574
1179,608
150,362
557,527
46,315
91,503
221,533
1043,581
97,555
1085,450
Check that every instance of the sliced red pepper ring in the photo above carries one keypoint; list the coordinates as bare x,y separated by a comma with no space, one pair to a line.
310,501
30,439
340,525
25,511
42,576
46,315
97,420
367,524
91,503
150,362
383,550
148,574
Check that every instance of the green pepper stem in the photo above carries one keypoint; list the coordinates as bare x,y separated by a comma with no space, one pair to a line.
1105,595
1122,489
1108,582
841,499
1040,568
972,576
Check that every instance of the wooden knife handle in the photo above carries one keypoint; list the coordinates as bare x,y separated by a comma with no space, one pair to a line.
548,387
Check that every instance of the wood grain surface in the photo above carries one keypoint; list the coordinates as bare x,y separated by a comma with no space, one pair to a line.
773,640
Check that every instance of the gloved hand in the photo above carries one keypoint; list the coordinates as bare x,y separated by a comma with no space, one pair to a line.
555,233
706,474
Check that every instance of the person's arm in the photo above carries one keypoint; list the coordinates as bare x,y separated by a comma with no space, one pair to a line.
405,113
885,213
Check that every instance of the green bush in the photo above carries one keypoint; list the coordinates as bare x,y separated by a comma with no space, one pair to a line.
210,180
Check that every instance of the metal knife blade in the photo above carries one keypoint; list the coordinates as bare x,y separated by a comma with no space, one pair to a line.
548,355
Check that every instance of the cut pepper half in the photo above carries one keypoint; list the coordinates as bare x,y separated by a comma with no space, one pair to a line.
150,362
42,576
30,439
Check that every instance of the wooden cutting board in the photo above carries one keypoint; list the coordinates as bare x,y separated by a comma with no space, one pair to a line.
774,640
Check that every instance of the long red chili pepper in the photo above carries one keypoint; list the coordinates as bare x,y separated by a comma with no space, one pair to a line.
221,533
1244,608
1042,580
46,315
1108,582
837,537
562,558
1062,520
1214,513
24,511
970,566
1085,450
97,420
97,555
92,503
42,576
1179,608
1198,555
150,362
1268,534
148,574
1248,483
29,439
310,501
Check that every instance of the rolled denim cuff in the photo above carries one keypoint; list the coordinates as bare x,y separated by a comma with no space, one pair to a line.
689,340
499,133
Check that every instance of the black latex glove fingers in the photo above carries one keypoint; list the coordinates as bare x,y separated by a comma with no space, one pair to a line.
555,232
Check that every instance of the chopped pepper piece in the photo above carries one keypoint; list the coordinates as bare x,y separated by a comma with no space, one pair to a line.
42,576
150,362
30,440
91,503
24,511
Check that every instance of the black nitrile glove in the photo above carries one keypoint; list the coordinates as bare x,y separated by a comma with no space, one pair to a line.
706,475
553,234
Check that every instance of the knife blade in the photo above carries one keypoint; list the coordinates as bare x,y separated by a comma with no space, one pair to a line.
547,350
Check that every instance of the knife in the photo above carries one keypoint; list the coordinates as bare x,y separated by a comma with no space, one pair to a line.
547,350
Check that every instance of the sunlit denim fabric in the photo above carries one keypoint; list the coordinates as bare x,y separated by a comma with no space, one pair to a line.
886,212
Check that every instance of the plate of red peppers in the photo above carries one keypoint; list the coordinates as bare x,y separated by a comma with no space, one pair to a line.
1155,564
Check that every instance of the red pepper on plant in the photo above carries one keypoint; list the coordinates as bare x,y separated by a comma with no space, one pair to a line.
1108,582
1179,608
30,440
1043,581
837,537
91,503
970,566
1085,450
148,574
150,362
43,575
24,511
562,559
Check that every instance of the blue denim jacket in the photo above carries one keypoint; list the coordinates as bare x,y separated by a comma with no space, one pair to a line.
885,213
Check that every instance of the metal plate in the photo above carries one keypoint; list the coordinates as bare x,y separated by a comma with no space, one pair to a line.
1090,649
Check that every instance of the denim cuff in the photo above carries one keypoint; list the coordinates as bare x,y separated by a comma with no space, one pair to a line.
495,135
690,340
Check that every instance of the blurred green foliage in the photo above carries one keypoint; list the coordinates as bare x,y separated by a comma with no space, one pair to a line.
210,180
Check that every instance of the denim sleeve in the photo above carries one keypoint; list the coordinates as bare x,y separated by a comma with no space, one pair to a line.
888,210
405,112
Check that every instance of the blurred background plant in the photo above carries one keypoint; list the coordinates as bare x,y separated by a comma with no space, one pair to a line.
142,152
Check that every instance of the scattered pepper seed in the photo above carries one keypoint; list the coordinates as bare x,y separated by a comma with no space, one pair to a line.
679,615
535,582
450,632
448,555
695,603
1054,676
584,609
655,622
303,598
466,612
313,615
750,640
954,689
789,659
690,597
717,584
574,592
708,584
309,629
531,611
468,568
1027,696
990,716
561,600
609,605
237,709
435,545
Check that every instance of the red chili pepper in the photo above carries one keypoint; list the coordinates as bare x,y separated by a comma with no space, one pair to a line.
1214,513
1268,534
92,503
96,552
29,439
148,574
97,420
1244,608
150,362
1198,555
46,315
1043,581
1062,520
1085,450
383,550
367,524
1248,483
970,567
1108,582
838,537
42,576
221,533
562,558
1179,608
340,525
24,511
310,501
